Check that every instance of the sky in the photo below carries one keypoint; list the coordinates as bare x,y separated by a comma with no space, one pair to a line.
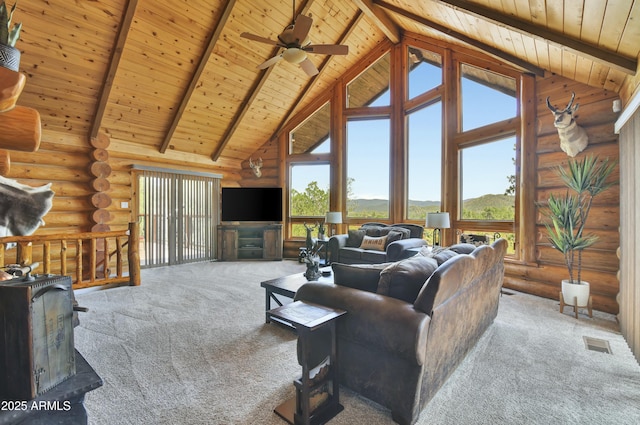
368,145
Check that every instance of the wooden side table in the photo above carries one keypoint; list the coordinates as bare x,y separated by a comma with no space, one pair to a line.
317,398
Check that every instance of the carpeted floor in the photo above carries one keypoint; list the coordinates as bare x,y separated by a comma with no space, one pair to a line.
190,346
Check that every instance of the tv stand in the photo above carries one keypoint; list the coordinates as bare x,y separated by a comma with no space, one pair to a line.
249,241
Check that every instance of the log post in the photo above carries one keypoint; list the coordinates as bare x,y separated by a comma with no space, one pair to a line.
25,253
20,129
134,255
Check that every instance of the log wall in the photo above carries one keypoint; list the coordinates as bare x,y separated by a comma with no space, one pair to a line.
600,262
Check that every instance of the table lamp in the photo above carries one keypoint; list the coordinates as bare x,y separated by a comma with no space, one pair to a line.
437,221
334,218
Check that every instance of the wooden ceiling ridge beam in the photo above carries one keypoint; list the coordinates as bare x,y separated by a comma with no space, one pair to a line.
114,63
507,57
251,95
204,59
606,57
380,19
323,66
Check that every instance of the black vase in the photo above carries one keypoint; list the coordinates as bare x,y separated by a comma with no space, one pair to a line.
9,57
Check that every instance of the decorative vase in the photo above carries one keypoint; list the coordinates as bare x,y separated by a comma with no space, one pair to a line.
572,290
313,268
9,57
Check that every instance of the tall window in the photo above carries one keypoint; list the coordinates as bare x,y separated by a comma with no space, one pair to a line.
487,147
368,168
309,171
424,176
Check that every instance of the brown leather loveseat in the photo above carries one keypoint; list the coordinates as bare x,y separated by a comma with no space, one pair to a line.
409,324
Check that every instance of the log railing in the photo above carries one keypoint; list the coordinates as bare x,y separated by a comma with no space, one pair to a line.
91,258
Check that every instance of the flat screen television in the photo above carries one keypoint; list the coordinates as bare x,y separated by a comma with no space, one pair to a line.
251,204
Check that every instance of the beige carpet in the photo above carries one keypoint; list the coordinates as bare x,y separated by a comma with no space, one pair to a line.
190,346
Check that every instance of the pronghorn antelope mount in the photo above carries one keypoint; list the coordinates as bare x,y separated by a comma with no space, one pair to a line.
573,138
256,167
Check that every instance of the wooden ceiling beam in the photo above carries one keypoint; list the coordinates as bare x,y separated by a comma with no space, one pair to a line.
204,59
343,38
608,58
507,57
114,63
380,19
251,96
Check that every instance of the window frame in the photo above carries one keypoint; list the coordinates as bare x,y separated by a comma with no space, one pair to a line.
510,127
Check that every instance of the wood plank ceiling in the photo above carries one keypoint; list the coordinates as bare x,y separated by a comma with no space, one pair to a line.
175,75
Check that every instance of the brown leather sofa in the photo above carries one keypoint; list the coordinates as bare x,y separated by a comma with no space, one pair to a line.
409,324
399,240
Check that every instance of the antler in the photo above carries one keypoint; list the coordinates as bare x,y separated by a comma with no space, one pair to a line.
573,96
551,106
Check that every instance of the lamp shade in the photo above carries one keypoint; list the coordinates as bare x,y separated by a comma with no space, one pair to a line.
334,217
438,220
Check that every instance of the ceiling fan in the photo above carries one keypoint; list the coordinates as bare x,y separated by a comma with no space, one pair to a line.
296,44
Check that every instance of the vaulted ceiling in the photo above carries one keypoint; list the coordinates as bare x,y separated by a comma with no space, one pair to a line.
176,76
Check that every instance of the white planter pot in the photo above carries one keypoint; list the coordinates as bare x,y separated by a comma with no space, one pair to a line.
572,290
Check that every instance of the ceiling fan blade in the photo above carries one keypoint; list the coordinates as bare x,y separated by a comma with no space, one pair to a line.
327,49
258,38
308,67
301,28
268,63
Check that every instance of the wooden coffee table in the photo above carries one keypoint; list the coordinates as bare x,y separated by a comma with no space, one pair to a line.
287,286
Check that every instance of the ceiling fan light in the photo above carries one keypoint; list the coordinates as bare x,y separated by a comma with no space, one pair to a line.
294,55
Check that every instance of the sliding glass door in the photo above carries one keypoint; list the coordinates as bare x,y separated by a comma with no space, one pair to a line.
178,214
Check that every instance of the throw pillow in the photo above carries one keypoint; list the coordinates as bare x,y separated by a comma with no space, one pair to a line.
463,248
406,233
374,243
426,296
374,230
355,237
404,279
439,254
393,236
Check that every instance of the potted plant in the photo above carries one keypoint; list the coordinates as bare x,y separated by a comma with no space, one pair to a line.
9,55
569,213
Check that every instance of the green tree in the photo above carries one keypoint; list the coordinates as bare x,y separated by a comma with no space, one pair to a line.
314,201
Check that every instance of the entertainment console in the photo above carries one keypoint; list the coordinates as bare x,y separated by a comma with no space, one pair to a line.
249,241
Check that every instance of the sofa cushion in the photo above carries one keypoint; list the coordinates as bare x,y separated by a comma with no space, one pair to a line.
355,238
404,279
374,243
371,256
351,255
358,276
